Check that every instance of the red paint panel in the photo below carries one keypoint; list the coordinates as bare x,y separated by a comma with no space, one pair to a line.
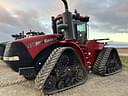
93,49
36,44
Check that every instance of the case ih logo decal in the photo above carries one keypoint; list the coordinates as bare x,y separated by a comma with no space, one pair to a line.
49,40
36,43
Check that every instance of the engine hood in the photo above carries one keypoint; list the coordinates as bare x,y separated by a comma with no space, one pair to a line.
37,39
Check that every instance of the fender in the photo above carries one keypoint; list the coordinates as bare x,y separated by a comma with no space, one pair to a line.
71,44
76,47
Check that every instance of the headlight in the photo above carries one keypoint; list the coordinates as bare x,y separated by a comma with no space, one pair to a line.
13,58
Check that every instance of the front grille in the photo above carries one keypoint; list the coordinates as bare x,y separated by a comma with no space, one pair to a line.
19,50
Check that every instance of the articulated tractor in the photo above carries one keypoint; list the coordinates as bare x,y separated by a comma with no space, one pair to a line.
63,59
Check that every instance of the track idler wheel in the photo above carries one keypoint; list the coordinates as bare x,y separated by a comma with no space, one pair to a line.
79,75
61,84
107,63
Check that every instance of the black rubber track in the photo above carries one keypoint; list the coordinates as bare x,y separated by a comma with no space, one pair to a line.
66,73
107,62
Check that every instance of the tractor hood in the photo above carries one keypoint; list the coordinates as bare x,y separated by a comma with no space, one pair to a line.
21,53
37,43
37,40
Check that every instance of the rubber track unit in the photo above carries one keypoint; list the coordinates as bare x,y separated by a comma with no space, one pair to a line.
49,66
107,62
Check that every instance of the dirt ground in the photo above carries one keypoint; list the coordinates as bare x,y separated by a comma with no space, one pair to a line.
11,84
123,51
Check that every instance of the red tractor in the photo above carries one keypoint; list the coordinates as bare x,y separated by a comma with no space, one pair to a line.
62,60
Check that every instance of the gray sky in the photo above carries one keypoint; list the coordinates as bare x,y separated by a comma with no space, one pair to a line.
106,16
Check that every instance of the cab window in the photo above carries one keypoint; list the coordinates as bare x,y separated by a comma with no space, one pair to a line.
81,30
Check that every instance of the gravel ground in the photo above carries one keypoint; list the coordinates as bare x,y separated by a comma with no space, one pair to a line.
115,85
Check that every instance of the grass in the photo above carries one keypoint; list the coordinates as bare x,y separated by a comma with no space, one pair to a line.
124,60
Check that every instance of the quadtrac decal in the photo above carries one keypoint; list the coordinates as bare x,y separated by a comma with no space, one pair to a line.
37,43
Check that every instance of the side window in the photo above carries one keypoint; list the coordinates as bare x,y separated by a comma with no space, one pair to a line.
81,29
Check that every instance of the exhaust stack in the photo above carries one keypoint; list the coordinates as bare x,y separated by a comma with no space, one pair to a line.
67,22
66,5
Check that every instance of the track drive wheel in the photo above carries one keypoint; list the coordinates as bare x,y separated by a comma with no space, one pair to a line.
107,63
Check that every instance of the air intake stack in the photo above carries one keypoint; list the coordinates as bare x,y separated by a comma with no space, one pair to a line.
67,22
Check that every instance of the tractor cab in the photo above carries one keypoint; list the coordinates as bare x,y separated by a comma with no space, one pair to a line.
71,26
80,29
